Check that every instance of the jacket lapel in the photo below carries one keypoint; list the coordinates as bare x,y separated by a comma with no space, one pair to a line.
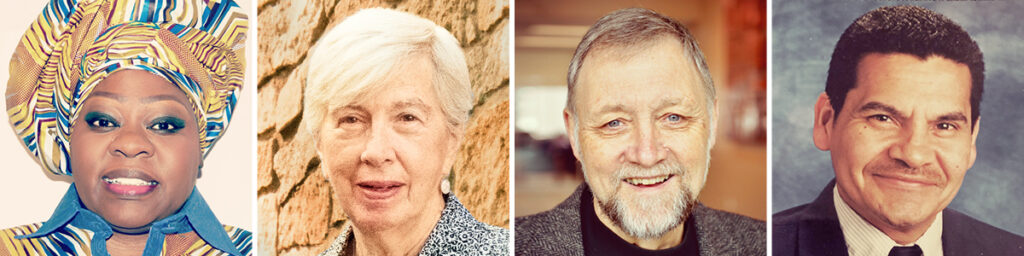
819,232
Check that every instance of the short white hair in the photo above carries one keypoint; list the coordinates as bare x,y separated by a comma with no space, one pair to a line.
362,51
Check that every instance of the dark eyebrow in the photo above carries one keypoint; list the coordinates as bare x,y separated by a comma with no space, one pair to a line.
150,99
878,106
952,117
164,97
108,95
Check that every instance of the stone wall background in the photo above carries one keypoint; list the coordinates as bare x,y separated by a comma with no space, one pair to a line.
298,214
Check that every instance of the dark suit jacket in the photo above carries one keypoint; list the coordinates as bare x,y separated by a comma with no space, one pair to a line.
557,231
813,229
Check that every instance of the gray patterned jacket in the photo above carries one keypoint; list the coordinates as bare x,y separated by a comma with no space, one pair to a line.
557,231
456,233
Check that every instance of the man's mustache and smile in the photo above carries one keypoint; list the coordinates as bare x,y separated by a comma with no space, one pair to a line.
897,174
652,177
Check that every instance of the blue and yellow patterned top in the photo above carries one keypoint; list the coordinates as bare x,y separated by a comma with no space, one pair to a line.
75,230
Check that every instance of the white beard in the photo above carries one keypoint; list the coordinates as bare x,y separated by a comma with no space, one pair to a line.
648,217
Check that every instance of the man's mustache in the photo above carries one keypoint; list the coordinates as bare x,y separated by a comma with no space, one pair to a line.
664,168
894,168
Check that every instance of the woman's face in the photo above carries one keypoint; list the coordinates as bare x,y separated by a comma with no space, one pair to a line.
135,149
386,153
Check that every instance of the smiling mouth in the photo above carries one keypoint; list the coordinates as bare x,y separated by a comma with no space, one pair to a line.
129,187
648,181
379,190
129,181
905,181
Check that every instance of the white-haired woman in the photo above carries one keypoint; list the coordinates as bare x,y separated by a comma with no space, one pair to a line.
387,98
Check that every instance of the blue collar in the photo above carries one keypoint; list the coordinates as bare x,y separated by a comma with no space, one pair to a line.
194,215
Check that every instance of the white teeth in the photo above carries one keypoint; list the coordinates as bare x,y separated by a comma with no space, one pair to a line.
129,181
647,181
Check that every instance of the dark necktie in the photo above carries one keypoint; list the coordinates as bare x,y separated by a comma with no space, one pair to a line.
905,251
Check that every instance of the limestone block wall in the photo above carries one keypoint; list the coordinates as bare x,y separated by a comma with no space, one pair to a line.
298,214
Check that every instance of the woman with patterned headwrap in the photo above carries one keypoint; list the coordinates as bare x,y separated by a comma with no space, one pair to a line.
127,97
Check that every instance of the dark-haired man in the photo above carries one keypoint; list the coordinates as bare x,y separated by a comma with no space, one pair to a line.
640,116
899,116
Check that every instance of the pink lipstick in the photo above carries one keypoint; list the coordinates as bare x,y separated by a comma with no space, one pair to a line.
129,183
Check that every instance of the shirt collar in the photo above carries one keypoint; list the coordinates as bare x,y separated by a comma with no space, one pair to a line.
455,218
862,238
194,215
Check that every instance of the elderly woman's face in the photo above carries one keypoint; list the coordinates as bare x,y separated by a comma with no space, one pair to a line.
386,153
135,149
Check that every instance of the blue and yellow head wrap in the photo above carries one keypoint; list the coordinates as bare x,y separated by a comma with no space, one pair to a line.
197,45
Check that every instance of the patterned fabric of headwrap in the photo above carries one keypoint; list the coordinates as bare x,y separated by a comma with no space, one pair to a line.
197,45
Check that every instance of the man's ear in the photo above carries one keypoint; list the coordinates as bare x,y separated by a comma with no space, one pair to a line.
570,130
824,119
714,124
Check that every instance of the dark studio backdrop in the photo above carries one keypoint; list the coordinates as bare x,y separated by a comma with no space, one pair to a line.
804,35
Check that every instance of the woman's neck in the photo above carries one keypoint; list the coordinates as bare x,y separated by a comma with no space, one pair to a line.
126,244
402,239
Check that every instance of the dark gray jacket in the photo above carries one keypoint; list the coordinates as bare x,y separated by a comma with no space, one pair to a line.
557,231
813,229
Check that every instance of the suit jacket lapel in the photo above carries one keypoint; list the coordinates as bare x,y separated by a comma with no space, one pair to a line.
820,233
959,237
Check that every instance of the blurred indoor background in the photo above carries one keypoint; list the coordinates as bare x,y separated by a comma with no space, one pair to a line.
731,34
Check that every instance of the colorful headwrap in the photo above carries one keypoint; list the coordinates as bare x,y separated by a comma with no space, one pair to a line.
197,45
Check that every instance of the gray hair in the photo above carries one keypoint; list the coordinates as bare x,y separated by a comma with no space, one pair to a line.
632,28
355,56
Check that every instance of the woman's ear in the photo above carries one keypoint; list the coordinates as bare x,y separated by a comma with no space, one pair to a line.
320,157
452,149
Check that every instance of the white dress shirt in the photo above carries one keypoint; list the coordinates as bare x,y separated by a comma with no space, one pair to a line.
863,239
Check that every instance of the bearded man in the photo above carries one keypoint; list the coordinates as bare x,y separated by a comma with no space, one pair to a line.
641,117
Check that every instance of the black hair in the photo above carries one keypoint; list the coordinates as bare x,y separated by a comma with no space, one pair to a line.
903,29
